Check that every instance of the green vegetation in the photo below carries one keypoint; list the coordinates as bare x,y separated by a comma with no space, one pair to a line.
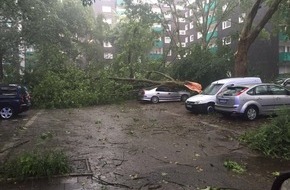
234,166
35,164
273,138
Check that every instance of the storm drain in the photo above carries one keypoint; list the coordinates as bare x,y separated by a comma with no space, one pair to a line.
80,167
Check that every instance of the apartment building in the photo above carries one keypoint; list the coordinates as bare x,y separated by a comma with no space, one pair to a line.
267,57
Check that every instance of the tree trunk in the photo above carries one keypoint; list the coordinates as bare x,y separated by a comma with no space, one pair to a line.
241,59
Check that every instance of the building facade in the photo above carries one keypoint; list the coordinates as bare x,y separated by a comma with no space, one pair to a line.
267,56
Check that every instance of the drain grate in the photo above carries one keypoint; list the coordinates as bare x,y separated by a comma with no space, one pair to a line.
80,167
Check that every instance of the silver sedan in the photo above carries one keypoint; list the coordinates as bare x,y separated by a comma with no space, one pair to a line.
163,93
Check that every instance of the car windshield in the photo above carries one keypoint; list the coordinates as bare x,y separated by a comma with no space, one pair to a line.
212,89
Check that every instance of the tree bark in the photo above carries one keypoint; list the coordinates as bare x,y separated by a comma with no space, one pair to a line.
250,33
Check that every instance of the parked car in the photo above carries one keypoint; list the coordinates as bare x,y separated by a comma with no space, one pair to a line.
205,102
163,93
286,83
252,100
14,99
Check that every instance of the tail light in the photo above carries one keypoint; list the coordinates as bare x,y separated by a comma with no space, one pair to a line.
240,92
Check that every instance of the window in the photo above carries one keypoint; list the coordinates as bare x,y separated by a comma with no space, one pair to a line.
106,9
227,40
108,20
167,40
108,56
190,12
169,27
107,44
186,39
183,44
261,90
199,35
186,27
182,32
181,19
169,53
200,20
224,8
191,25
242,18
226,24
277,90
186,14
191,38
167,15
156,10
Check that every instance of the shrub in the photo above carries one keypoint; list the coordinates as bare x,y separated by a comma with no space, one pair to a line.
273,138
73,88
35,164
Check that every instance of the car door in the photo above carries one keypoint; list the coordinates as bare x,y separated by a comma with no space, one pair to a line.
264,98
163,93
281,95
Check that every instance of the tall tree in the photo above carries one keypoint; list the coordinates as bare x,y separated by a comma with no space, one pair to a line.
134,38
250,31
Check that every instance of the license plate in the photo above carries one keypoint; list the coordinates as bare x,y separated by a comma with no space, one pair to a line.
189,106
223,101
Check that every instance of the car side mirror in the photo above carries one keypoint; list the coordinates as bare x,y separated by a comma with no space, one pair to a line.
282,182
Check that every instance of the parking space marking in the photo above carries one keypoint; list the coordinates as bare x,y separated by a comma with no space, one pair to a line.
31,121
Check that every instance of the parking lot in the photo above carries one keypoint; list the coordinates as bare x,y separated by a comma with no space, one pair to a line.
145,146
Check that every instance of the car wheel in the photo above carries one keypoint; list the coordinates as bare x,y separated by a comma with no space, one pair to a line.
6,112
251,113
184,97
154,99
209,108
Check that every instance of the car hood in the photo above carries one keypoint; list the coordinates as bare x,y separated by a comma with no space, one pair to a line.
202,99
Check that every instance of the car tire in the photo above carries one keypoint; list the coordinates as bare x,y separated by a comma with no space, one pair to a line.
184,97
6,112
251,113
154,99
209,108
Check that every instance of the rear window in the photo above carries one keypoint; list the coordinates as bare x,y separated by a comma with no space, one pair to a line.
233,90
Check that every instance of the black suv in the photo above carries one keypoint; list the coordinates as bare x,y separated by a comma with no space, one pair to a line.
14,99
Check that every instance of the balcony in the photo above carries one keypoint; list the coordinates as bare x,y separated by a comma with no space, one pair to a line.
284,57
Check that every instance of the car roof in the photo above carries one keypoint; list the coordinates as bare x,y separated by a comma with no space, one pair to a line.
225,80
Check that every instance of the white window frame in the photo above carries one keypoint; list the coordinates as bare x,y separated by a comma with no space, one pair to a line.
108,56
107,44
186,40
183,44
169,53
199,35
186,27
182,32
191,25
227,40
226,24
191,38
167,39
181,19
224,7
106,9
242,18
169,27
